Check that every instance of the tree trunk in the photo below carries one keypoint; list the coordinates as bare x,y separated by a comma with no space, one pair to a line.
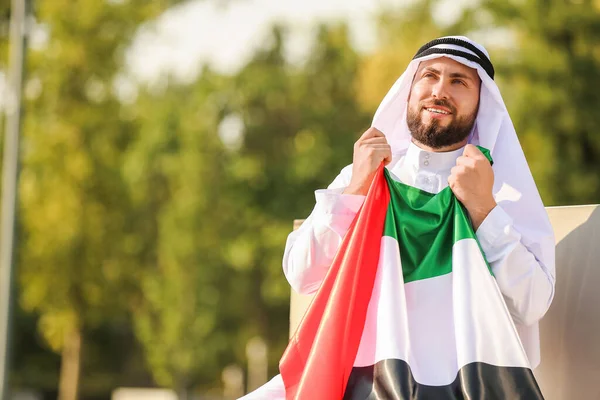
182,389
70,366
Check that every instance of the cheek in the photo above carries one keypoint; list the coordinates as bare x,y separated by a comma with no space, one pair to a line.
468,104
413,103
416,95
419,90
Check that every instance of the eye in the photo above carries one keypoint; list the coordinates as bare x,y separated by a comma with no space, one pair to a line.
428,75
459,81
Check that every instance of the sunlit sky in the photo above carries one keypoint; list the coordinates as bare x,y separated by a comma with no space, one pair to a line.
225,36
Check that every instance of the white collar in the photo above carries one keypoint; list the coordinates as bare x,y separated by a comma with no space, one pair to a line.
431,161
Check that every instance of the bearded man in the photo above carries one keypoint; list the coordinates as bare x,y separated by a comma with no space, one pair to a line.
443,134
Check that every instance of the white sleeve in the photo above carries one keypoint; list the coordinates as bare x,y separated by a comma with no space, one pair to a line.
310,250
526,284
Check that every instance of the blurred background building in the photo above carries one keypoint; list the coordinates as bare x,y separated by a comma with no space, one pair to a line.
168,145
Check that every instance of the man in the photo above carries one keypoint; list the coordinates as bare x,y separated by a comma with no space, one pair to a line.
425,132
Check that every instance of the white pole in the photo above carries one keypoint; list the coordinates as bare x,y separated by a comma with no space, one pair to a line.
10,172
233,382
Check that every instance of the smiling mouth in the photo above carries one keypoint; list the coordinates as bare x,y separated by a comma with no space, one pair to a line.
437,111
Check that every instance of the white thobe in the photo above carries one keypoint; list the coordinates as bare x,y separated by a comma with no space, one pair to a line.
526,285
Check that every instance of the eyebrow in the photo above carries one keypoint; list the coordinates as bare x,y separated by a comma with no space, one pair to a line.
452,75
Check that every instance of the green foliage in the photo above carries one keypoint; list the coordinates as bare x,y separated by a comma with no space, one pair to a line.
175,173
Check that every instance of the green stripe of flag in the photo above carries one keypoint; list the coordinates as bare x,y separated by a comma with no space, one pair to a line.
426,226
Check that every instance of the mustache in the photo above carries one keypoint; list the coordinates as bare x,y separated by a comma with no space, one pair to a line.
441,103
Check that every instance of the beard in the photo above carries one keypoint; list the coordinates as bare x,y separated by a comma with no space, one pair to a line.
436,136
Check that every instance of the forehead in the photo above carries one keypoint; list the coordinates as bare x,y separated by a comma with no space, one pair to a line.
448,66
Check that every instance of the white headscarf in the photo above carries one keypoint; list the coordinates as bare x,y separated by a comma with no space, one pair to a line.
514,188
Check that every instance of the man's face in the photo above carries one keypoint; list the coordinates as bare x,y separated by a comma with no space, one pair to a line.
443,102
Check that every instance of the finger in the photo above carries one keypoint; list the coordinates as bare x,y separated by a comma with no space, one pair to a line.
380,155
451,181
472,151
379,146
466,161
388,157
373,140
374,147
379,152
371,132
457,170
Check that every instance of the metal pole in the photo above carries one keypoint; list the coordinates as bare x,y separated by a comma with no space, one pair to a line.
10,170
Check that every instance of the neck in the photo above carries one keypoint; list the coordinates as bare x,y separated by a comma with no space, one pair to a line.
444,149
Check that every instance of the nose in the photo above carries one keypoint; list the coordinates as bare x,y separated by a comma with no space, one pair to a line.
439,90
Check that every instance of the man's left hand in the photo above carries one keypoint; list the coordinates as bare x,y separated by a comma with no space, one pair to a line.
472,181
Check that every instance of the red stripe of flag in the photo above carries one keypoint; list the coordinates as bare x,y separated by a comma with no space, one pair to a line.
319,358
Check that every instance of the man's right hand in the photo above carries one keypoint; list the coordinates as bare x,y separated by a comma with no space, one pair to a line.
370,150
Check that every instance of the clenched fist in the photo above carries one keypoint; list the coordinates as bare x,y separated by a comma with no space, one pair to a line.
370,151
472,181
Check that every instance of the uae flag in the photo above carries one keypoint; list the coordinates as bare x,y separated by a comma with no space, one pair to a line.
409,310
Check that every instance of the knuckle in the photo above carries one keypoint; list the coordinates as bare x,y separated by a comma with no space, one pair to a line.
371,132
376,131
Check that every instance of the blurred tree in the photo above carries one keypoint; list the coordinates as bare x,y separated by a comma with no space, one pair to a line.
219,171
548,64
175,170
74,201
